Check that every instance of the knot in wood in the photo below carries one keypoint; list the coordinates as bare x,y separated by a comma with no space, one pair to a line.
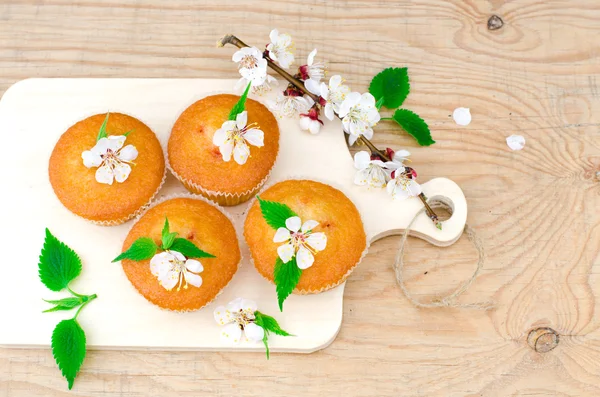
495,22
543,339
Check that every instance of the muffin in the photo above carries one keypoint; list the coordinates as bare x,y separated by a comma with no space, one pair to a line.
107,168
225,161
328,240
178,279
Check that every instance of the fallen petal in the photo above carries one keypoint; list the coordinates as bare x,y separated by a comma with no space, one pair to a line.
515,142
462,116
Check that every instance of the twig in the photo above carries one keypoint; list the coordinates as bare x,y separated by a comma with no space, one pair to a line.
233,40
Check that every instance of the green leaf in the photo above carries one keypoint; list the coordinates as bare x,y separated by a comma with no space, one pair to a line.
275,213
392,86
189,249
286,277
63,304
240,105
167,237
414,125
102,133
68,348
58,264
269,324
143,248
379,103
128,132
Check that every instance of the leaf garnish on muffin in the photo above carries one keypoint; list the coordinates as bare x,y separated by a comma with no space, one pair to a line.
236,134
241,317
175,265
58,266
110,157
300,244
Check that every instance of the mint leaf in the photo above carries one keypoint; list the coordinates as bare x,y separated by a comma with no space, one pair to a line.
63,304
167,237
414,125
392,86
269,324
189,249
143,248
102,133
58,264
240,105
68,348
286,277
275,213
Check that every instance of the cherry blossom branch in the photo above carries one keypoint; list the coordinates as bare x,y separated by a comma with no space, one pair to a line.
233,40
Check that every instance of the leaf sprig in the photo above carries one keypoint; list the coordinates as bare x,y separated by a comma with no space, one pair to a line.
145,248
390,88
270,325
240,106
103,133
58,266
285,275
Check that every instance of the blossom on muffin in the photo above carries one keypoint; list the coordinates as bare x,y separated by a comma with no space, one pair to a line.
252,65
281,48
112,159
300,241
172,268
359,114
371,172
333,95
403,184
234,137
290,105
261,89
312,73
238,318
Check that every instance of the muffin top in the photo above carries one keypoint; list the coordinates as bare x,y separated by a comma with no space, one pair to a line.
77,186
200,223
338,220
194,157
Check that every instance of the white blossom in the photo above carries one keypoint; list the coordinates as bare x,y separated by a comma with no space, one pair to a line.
312,73
370,172
234,137
299,241
402,186
111,158
261,89
359,115
238,318
172,268
334,94
290,105
252,65
281,48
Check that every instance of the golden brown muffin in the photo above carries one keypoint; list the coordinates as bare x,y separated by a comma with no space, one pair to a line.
76,186
197,162
338,218
204,225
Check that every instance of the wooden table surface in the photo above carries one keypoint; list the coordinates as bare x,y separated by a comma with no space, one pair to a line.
537,210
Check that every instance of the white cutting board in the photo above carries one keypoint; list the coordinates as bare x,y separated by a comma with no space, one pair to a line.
33,115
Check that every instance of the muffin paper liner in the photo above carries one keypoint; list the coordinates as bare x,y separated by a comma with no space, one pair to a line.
116,222
310,290
222,198
228,216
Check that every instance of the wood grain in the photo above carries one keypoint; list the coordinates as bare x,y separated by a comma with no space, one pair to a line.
536,210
